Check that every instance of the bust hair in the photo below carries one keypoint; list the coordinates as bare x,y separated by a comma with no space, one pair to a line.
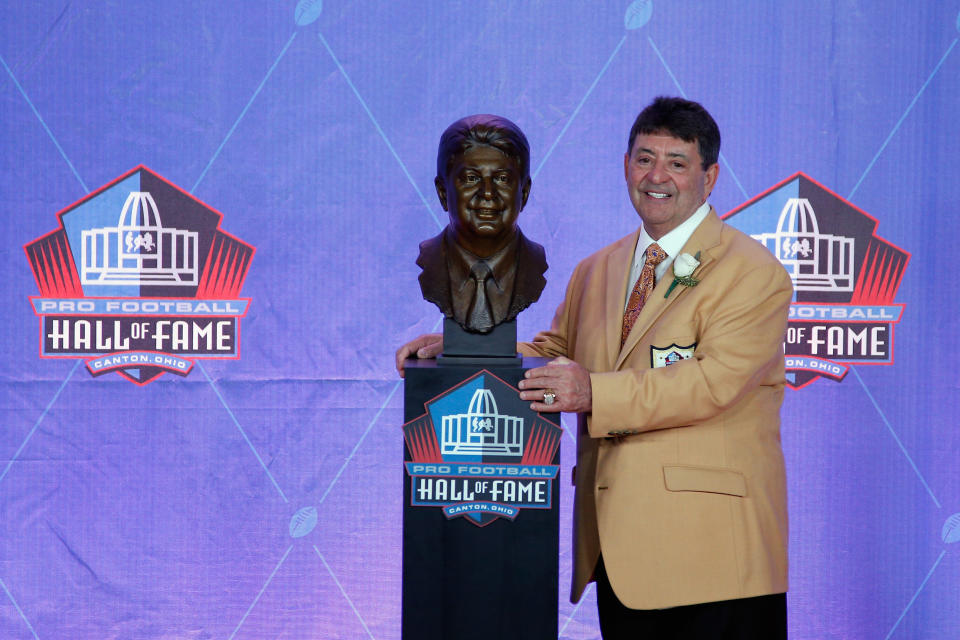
683,119
483,129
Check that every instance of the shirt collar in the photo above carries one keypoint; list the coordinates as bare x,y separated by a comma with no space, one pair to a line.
673,241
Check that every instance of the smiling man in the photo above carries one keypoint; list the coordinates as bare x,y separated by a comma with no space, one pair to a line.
677,376
480,270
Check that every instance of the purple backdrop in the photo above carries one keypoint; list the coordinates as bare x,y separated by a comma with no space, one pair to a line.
259,496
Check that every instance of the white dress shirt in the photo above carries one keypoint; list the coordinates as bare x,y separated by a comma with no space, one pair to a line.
672,243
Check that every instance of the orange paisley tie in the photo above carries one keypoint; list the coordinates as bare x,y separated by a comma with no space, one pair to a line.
654,255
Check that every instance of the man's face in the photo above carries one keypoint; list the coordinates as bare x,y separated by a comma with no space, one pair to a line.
484,193
666,180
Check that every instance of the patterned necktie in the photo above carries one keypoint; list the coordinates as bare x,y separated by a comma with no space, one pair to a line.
481,317
654,255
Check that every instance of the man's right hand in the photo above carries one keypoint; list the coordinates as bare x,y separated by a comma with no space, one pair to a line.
426,346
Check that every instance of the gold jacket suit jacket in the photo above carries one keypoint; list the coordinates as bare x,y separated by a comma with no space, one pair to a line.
690,505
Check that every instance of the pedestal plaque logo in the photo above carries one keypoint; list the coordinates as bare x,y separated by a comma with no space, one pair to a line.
480,452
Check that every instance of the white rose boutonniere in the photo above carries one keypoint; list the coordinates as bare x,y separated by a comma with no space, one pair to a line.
683,267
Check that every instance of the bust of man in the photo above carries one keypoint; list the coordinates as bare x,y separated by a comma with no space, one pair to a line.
480,270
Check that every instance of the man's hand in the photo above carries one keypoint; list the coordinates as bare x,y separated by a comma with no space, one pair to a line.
426,346
567,379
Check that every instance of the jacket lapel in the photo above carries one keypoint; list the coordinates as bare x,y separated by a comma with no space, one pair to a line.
704,239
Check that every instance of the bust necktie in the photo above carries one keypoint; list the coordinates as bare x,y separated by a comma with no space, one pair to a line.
481,317
654,255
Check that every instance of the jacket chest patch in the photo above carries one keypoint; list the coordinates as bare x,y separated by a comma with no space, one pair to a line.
665,356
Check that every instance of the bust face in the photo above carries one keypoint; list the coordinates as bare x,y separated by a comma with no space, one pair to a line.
484,192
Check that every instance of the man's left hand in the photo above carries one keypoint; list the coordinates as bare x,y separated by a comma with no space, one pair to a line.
569,382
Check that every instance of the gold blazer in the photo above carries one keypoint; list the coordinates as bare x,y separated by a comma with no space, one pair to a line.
680,476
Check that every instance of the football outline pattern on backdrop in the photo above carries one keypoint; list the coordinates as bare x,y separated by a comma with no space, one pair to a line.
67,379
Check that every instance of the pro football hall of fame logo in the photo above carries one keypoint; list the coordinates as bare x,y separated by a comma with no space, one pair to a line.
479,451
845,277
139,280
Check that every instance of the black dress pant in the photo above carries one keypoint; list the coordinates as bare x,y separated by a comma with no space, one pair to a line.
759,618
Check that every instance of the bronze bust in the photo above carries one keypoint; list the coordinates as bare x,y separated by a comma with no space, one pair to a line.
481,271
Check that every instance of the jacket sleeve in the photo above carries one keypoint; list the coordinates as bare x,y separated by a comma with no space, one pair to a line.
555,342
740,348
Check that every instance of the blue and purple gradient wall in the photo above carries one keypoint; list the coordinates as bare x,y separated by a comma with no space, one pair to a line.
260,497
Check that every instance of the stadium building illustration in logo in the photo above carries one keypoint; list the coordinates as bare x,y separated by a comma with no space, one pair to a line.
845,277
482,429
481,452
138,250
816,261
139,280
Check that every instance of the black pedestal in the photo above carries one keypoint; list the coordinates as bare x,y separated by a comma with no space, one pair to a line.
495,349
480,520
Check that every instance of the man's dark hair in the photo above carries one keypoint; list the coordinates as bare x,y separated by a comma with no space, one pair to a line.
483,129
682,119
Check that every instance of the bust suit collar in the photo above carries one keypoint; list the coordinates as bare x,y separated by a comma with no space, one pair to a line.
435,277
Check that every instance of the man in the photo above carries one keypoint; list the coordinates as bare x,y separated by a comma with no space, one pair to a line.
481,270
680,506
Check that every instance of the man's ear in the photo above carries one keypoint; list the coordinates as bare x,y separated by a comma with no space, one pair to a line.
525,192
442,192
710,178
